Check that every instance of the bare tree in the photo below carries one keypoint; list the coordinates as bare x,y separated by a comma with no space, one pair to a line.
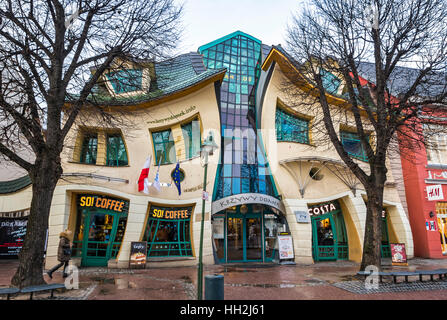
400,48
52,54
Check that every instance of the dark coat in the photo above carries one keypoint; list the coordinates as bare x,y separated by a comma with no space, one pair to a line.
64,243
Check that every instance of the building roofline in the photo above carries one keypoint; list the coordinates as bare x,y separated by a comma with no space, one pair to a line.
228,36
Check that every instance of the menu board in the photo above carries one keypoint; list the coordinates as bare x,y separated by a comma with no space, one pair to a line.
285,247
138,251
12,233
398,254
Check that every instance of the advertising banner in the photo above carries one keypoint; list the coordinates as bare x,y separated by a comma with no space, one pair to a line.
285,247
138,251
398,254
12,233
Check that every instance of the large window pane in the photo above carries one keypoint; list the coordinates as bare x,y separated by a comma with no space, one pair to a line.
291,128
116,151
89,149
164,147
191,137
352,145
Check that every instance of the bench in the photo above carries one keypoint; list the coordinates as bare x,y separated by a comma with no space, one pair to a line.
440,272
42,288
8,292
380,274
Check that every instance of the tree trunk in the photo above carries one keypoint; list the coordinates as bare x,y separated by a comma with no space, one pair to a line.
373,228
44,178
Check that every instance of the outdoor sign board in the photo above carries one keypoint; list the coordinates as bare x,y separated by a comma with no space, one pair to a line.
435,192
302,216
285,246
398,254
138,251
218,228
12,232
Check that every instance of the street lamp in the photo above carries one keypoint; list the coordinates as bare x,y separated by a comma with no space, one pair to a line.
207,148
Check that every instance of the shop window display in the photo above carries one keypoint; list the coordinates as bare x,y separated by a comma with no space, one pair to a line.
99,230
168,233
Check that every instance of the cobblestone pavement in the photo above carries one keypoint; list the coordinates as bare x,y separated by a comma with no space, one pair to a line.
320,281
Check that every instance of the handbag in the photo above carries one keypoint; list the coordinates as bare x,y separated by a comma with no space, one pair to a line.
67,251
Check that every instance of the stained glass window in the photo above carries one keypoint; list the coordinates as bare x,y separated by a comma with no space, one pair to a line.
164,147
352,145
89,149
291,128
116,151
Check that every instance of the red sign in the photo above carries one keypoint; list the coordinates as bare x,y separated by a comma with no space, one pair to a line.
398,253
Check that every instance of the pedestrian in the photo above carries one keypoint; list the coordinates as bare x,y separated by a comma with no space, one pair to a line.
63,253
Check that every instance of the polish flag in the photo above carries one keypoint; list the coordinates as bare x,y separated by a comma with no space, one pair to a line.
143,180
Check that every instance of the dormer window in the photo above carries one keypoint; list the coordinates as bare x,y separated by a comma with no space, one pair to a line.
126,80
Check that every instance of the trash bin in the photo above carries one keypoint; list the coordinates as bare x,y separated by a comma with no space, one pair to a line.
214,287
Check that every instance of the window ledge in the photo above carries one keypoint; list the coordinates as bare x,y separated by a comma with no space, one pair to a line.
181,161
97,165
306,144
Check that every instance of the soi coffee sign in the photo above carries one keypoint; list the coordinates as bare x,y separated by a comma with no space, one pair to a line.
322,208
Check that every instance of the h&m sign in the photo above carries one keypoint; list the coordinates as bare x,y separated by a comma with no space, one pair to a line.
435,192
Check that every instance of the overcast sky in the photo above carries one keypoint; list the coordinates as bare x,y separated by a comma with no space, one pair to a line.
208,20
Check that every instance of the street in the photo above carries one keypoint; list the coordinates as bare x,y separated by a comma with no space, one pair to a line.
320,281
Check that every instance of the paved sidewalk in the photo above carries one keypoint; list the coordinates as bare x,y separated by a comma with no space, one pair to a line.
321,281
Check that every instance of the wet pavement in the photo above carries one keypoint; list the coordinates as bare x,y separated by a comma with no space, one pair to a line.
320,281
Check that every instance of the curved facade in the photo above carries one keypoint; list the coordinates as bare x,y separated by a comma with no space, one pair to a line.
269,177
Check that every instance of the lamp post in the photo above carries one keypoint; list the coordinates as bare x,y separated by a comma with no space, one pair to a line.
207,148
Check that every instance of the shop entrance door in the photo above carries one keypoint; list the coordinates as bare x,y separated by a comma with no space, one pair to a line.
329,241
244,237
99,234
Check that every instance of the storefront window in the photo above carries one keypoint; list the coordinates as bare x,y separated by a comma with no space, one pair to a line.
441,213
329,236
100,227
116,151
219,236
167,232
273,225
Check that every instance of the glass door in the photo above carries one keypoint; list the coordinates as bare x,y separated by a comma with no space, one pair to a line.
235,239
99,234
244,237
324,238
253,238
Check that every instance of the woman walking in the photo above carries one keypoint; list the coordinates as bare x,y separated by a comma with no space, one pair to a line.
63,253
